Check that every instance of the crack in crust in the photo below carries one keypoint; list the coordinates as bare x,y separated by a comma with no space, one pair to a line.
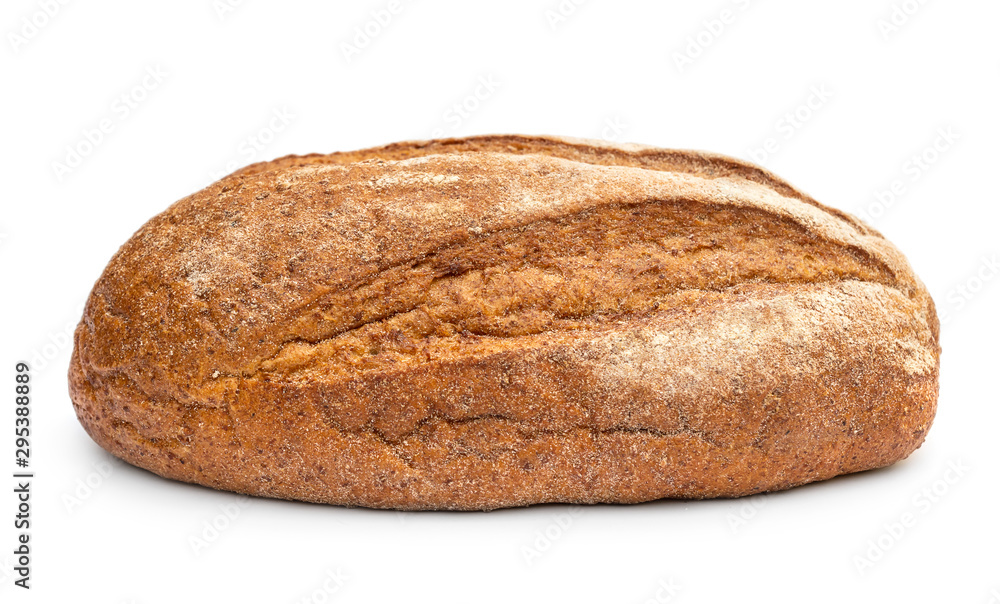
653,264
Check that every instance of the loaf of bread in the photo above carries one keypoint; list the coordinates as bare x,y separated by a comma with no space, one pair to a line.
502,321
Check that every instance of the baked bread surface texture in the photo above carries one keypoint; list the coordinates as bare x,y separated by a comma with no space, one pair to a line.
501,321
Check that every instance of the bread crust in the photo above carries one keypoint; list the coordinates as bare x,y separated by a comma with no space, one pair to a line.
500,321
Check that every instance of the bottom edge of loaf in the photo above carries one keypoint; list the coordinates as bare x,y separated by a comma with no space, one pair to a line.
579,468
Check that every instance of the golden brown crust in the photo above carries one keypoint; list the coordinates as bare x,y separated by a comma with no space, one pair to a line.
506,320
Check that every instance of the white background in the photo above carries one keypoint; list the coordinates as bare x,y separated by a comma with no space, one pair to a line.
869,96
